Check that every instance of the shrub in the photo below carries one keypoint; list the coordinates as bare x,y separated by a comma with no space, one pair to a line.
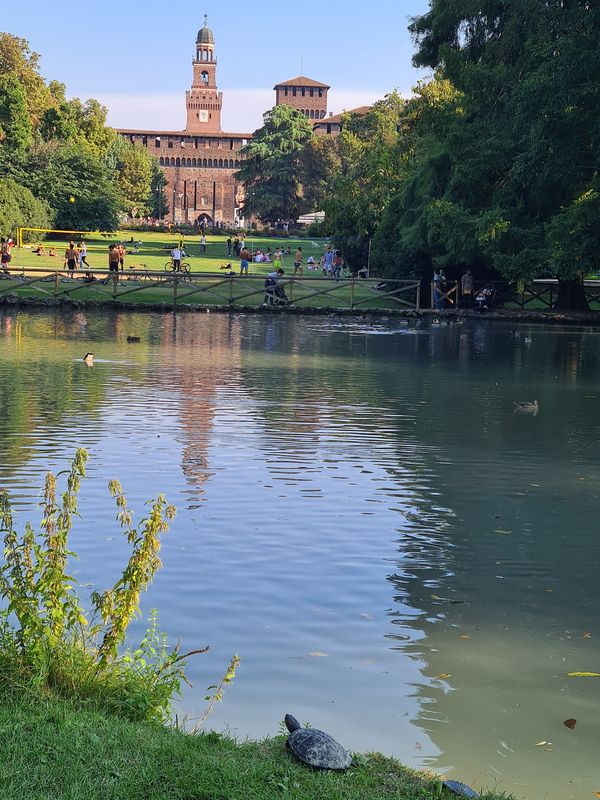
47,644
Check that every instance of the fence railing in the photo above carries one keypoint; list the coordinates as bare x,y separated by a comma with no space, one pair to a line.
210,288
541,293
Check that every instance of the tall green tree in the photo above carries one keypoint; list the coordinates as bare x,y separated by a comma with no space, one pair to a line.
76,184
19,61
517,175
15,125
371,166
19,208
271,168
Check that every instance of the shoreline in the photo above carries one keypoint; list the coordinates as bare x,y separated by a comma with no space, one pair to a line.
60,749
585,319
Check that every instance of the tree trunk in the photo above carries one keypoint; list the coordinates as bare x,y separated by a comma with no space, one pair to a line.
571,296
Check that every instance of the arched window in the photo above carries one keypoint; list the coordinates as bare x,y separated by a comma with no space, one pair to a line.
204,162
194,162
226,163
210,162
220,162
178,162
161,161
237,163
189,162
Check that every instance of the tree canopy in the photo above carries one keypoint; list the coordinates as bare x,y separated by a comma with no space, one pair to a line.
271,168
61,153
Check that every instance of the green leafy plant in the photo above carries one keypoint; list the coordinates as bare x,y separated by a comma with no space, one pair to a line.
47,643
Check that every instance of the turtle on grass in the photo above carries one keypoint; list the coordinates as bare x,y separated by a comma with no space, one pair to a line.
315,748
461,789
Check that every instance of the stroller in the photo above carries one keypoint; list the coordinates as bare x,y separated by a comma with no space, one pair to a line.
485,298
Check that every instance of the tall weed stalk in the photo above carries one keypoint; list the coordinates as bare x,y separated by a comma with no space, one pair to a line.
48,645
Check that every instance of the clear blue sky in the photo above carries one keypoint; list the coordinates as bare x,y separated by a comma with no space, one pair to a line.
135,56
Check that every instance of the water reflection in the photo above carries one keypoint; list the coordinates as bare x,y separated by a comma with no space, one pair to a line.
395,554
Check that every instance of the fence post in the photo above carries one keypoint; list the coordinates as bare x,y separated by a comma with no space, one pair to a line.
231,290
292,290
418,301
175,285
115,285
352,294
56,283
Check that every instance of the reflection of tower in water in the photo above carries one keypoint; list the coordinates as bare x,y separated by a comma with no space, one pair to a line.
200,365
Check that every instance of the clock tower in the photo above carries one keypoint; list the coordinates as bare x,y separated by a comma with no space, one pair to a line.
204,101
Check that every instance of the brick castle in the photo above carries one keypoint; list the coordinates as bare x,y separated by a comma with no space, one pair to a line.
201,161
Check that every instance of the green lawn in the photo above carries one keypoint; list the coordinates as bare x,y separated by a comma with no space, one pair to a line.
55,751
213,287
155,248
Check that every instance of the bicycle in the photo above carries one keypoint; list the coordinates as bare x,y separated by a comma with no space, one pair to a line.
184,267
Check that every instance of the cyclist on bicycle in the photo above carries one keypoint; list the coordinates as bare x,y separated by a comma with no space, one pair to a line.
176,258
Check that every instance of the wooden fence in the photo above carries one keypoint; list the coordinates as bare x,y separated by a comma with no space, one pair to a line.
209,288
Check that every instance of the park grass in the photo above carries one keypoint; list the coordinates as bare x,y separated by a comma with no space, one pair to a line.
155,249
54,750
154,254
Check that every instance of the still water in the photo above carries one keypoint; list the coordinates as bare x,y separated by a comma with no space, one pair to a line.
397,557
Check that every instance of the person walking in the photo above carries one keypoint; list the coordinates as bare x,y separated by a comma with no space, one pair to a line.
82,249
4,255
203,244
244,261
466,287
113,258
71,257
229,243
328,265
437,289
298,262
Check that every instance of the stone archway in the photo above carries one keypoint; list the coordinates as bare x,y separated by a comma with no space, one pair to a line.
204,220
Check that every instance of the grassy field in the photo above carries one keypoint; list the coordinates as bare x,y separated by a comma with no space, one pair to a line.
211,286
55,751
155,248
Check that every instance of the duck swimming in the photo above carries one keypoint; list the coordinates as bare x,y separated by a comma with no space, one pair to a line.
530,407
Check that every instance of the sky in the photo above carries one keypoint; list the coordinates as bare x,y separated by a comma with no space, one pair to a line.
135,57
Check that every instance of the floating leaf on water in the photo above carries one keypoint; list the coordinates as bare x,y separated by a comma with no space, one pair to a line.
443,675
318,654
570,723
583,674
464,636
587,635
596,794
506,533
435,597
541,744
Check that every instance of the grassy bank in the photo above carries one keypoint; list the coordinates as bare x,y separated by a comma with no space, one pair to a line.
55,751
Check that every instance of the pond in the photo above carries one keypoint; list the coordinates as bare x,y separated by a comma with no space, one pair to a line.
397,556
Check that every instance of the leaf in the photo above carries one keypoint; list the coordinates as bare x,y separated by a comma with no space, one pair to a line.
570,723
583,674
596,794
444,675
318,654
587,635
464,636
541,744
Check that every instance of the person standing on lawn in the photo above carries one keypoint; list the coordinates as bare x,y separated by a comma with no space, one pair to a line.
298,262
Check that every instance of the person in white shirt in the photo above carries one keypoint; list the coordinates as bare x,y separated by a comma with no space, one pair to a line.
176,258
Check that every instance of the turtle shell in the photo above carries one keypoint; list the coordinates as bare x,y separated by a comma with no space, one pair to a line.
461,789
318,749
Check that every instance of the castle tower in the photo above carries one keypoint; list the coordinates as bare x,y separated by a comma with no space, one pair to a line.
204,101
305,95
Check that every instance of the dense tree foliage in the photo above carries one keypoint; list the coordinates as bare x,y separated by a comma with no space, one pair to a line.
494,163
271,169
61,154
